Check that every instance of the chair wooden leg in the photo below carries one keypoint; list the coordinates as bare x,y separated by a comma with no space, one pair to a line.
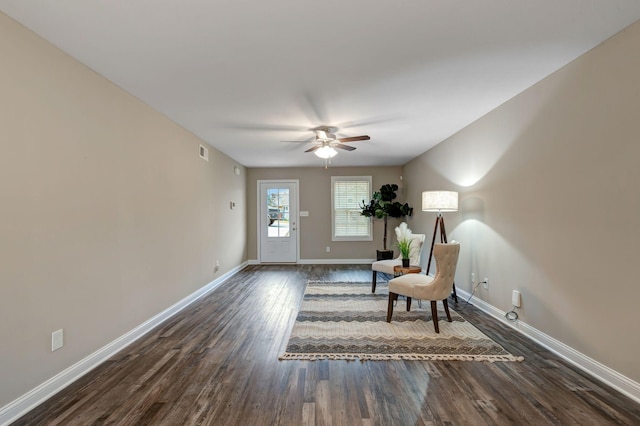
408,303
455,295
446,309
373,281
434,316
392,298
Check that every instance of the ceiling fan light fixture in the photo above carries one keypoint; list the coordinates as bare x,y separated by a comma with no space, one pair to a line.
325,152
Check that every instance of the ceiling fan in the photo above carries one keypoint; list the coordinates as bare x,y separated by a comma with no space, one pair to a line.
326,141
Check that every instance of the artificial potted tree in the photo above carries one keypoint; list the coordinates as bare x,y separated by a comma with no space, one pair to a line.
382,206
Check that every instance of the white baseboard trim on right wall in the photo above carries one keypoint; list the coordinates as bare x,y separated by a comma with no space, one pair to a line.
594,368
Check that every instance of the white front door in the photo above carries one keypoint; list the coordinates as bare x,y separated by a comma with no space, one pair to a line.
277,221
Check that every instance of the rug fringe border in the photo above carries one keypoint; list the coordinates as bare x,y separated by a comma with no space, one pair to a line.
398,357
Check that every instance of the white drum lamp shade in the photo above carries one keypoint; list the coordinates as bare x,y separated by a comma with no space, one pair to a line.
439,201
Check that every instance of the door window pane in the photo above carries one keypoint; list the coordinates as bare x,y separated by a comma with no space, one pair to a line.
278,216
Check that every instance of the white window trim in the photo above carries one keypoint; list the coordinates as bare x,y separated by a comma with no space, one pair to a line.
335,179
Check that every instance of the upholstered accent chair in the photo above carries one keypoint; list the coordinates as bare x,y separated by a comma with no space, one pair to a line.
425,287
386,266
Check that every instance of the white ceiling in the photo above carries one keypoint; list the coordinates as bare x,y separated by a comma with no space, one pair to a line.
245,75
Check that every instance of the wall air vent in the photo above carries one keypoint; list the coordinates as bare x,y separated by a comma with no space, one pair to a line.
204,153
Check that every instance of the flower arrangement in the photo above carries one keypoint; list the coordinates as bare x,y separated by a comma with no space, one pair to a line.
405,238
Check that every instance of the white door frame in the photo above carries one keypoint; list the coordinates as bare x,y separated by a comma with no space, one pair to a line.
296,204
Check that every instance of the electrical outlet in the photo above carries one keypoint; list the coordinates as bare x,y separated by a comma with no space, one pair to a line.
217,267
328,249
485,283
57,340
473,278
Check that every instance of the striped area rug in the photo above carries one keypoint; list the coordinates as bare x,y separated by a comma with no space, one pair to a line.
345,321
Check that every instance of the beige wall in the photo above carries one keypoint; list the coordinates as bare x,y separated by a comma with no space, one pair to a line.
107,214
315,197
550,202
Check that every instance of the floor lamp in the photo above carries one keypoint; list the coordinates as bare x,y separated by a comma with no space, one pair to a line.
439,202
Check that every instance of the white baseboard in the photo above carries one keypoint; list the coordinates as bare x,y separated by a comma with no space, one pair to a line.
46,390
592,367
325,261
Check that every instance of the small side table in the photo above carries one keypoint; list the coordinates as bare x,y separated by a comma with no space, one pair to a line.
399,270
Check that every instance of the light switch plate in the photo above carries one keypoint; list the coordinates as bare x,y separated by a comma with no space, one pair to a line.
57,340
515,298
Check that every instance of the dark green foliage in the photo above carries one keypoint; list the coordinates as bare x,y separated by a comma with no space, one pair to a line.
388,192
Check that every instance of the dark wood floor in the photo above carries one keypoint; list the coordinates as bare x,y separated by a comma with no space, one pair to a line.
216,363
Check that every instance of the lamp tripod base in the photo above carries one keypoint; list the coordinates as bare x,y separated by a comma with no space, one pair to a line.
443,239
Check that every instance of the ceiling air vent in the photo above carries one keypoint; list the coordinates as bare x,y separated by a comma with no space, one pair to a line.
204,153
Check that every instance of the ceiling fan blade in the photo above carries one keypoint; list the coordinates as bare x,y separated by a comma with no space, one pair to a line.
314,107
345,147
369,122
313,148
262,127
311,139
355,139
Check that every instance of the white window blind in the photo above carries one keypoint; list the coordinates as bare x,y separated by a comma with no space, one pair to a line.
348,192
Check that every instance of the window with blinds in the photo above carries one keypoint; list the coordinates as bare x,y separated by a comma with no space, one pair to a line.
347,194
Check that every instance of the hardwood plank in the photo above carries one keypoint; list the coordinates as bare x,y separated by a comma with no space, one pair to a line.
216,364
309,414
323,404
